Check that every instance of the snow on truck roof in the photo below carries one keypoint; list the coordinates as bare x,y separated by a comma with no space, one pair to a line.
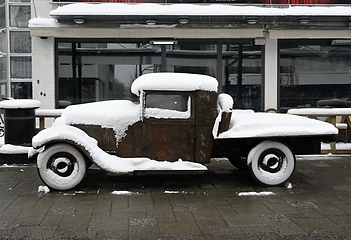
174,82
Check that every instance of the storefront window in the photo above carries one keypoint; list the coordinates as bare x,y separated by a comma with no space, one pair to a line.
96,71
21,90
21,67
242,74
20,42
192,57
90,72
19,16
314,70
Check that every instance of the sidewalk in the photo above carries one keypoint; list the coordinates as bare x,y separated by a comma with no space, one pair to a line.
197,206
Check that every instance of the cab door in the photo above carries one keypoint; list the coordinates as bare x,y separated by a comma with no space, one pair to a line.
169,125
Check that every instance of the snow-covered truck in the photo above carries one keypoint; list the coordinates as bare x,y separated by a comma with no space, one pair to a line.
180,123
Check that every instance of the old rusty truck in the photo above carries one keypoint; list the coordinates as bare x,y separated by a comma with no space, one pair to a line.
179,123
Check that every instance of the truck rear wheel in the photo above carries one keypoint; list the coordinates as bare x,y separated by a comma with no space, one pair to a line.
61,166
271,163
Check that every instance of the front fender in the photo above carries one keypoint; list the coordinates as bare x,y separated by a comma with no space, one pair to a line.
64,133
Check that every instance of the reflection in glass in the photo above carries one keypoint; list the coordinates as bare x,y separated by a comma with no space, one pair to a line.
171,102
21,90
192,58
2,16
20,42
19,16
242,75
313,70
91,72
3,91
21,67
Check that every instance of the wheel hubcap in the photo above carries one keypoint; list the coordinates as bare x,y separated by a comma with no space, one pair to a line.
271,160
62,164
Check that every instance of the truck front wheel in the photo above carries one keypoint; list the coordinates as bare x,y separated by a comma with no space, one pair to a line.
61,166
271,163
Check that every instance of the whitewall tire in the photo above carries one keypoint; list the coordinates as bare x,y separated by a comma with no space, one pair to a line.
61,166
271,163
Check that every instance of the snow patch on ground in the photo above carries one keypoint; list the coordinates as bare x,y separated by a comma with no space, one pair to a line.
128,193
43,189
265,193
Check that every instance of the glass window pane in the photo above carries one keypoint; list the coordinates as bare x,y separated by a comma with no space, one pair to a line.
103,71
167,106
3,68
192,58
21,67
3,91
19,16
171,102
2,17
313,70
21,42
21,90
3,65
242,75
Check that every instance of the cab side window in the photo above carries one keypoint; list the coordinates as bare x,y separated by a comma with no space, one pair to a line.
167,106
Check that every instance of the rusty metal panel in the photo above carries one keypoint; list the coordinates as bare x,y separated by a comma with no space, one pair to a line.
105,136
131,144
206,103
206,107
224,123
168,140
203,144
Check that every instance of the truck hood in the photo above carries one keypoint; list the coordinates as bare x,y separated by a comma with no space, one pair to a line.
248,124
115,114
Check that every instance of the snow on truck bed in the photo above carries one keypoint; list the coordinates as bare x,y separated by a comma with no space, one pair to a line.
248,124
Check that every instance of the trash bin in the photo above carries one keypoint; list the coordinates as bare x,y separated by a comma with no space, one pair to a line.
19,118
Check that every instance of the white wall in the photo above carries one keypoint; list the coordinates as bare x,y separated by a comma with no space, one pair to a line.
43,68
271,74
43,60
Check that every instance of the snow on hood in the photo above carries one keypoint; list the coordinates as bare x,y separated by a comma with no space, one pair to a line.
104,160
248,124
115,114
174,82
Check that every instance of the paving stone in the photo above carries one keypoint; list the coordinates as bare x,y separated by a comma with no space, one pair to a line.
203,206
179,229
249,219
316,224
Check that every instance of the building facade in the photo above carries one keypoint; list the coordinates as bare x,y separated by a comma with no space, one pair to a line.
266,55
